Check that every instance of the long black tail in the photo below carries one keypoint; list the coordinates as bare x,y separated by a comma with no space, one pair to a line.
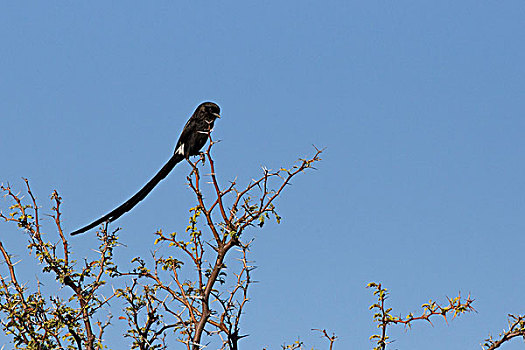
133,201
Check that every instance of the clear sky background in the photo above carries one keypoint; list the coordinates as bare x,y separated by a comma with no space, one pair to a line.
420,106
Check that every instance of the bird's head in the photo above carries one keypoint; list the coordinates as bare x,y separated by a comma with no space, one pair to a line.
209,111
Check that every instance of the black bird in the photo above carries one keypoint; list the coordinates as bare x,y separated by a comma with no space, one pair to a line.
191,140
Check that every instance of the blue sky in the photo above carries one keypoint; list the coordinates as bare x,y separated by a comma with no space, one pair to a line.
420,106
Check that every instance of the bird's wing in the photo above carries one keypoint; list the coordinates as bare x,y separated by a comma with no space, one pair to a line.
182,147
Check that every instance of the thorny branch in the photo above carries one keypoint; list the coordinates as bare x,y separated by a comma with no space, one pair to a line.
382,316
232,227
36,324
331,338
516,329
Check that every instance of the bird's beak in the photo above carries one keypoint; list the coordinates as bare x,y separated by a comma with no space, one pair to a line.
216,115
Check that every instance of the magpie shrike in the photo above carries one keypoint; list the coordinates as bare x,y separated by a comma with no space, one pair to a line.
191,140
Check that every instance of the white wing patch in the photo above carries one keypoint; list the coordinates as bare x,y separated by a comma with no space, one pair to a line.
180,150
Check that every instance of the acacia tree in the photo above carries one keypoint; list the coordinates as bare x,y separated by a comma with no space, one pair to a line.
194,291
161,300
